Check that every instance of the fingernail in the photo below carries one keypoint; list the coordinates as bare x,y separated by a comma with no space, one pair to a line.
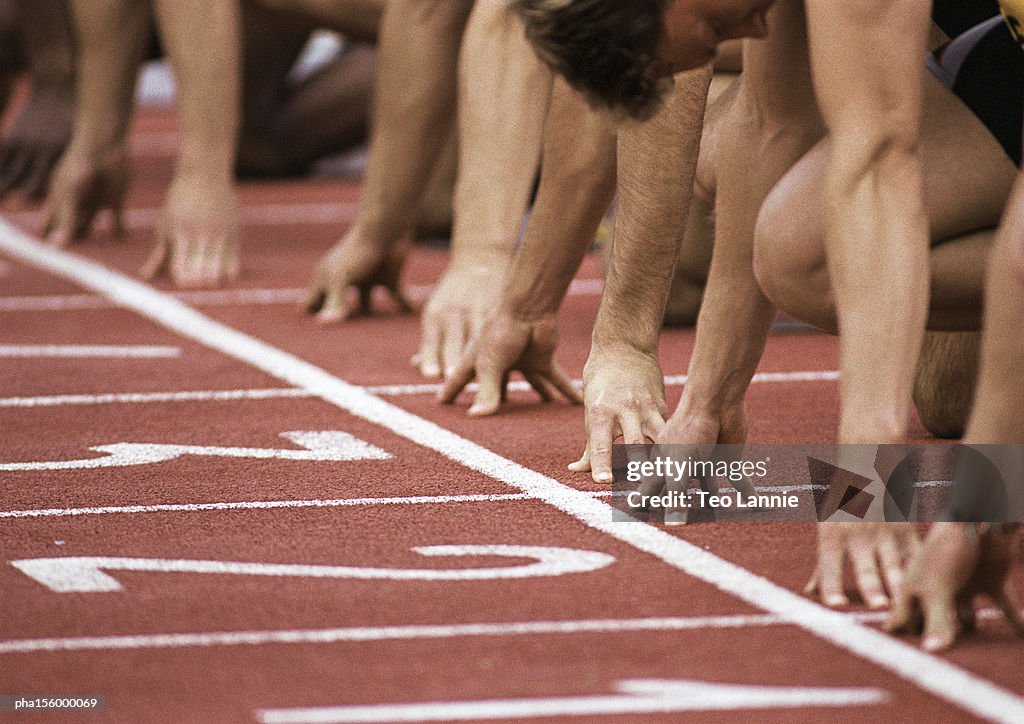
835,600
449,371
675,517
878,601
932,642
604,476
431,371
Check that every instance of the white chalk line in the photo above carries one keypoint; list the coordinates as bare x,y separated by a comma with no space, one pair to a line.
384,633
346,502
357,634
100,351
226,297
150,397
627,697
295,392
261,505
929,673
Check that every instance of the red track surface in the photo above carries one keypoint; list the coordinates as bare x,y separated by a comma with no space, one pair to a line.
209,680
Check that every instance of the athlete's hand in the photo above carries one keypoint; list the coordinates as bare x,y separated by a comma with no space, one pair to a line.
624,394
877,552
465,296
197,236
82,186
355,263
37,139
505,344
699,434
955,564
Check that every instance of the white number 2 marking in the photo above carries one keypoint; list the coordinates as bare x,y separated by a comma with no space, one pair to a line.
85,574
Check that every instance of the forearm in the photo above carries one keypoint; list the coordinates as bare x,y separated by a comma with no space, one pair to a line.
878,262
503,98
876,226
414,102
203,42
576,186
656,164
112,36
772,122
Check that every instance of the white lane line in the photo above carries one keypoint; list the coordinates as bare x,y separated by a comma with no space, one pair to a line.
261,505
383,633
147,397
318,212
430,388
226,297
88,350
357,634
384,390
345,502
930,673
632,696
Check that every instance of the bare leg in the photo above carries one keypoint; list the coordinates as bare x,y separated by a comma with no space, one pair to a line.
944,386
327,114
272,43
996,417
967,179
356,19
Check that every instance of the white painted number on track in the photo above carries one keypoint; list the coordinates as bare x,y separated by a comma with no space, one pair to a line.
635,696
85,574
328,445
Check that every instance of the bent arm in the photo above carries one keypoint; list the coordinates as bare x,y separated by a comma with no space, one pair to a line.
876,227
656,165
203,43
623,386
112,37
576,186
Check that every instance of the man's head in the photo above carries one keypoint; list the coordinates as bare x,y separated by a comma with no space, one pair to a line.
621,52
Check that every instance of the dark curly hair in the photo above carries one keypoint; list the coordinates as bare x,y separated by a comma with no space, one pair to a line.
604,48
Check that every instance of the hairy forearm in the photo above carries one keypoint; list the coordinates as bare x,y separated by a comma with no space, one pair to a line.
203,41
503,97
577,184
112,36
656,165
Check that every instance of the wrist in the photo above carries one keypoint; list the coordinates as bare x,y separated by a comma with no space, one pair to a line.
208,164
614,332
487,255
704,404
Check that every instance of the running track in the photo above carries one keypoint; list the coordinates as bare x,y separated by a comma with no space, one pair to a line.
269,477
